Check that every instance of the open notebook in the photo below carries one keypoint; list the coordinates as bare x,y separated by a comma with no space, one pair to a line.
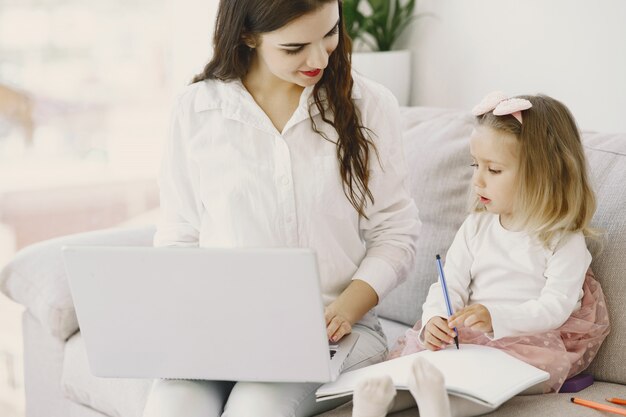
481,374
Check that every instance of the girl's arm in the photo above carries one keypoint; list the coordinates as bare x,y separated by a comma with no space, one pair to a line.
565,274
179,221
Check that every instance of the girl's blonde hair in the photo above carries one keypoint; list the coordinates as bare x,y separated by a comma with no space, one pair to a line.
554,194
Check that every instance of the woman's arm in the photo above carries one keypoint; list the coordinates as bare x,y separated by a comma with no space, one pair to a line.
352,304
392,224
179,221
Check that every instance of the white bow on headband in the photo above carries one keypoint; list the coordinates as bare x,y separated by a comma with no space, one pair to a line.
501,104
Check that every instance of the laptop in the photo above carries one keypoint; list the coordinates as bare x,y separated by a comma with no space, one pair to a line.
193,313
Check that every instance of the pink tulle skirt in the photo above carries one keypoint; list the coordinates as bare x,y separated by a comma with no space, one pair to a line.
563,352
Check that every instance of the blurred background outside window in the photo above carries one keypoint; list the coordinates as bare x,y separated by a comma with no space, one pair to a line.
86,89
83,86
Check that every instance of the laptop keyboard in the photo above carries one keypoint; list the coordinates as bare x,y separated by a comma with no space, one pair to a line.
332,349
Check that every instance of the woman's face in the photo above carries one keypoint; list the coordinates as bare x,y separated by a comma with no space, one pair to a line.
298,52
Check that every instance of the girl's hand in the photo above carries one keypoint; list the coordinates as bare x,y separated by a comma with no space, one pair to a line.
337,324
476,317
437,334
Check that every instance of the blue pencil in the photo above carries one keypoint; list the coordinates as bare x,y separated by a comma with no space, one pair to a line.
446,297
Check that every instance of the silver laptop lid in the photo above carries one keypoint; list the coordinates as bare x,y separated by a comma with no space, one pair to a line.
219,314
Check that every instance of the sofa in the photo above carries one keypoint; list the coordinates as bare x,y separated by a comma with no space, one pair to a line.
57,378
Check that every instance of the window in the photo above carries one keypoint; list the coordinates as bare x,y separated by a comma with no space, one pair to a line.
85,87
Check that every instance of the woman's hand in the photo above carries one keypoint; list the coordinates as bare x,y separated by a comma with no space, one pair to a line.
437,334
357,299
337,324
476,317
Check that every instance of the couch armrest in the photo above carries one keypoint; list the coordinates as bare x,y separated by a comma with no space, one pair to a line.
36,277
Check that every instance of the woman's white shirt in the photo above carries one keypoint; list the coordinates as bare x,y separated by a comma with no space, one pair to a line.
526,287
230,179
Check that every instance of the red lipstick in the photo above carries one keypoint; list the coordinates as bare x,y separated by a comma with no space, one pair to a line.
311,74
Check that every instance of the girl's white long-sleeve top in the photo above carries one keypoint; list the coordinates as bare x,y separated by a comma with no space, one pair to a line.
527,287
229,178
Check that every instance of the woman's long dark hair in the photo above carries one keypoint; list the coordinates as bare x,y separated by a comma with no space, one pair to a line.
240,20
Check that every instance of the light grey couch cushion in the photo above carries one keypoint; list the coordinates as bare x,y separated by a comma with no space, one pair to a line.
43,366
112,396
530,405
606,155
437,152
35,277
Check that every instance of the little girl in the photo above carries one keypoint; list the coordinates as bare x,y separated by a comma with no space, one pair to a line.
518,269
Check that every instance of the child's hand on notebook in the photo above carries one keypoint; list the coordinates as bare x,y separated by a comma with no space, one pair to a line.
475,316
437,334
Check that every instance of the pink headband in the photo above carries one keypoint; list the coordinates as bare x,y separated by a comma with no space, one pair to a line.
501,104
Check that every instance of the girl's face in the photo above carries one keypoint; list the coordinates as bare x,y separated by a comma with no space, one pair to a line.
495,162
298,52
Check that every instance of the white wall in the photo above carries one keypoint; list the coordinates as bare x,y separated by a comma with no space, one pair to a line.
192,23
573,50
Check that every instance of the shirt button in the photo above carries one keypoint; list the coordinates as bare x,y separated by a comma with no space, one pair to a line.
285,181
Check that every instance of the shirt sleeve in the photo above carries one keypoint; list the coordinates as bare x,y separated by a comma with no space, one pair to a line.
393,224
565,273
179,221
457,269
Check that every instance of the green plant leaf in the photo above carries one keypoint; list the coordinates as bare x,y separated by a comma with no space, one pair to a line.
353,19
382,27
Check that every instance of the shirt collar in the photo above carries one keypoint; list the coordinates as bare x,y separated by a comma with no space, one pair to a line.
237,103
228,91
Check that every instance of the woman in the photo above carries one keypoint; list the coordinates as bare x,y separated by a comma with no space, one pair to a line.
276,145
